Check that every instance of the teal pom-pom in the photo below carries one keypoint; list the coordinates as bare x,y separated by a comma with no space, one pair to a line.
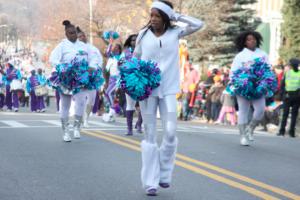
115,35
110,34
75,76
139,78
106,35
253,82
95,80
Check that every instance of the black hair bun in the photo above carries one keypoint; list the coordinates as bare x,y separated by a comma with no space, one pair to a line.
78,29
66,23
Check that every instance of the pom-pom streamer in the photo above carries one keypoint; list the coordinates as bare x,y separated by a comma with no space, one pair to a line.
75,76
139,78
253,82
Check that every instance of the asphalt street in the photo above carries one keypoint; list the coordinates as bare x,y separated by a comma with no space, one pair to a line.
35,164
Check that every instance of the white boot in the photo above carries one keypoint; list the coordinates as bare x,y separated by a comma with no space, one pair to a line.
150,165
109,117
167,155
243,138
77,123
106,117
112,114
250,129
85,123
65,128
86,115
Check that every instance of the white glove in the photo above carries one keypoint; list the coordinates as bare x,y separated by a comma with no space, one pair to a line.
175,16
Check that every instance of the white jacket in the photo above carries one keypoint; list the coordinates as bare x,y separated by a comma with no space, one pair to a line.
165,51
246,58
66,51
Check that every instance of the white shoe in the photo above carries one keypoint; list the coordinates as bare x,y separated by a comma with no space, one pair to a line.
112,111
67,137
76,133
244,141
112,118
105,117
85,124
108,118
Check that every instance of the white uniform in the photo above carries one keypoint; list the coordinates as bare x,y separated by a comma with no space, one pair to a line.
113,67
158,163
65,52
245,59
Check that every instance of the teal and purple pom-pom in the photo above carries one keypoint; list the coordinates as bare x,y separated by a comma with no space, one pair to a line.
253,82
139,78
75,76
110,34
106,35
95,80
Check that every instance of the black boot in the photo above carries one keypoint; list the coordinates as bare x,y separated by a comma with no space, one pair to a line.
129,117
292,133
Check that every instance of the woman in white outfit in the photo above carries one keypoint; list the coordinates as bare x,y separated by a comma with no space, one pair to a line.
91,94
113,53
248,44
159,42
65,52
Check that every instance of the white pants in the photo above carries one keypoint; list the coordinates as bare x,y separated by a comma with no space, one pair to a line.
91,97
244,108
90,101
65,105
158,163
130,103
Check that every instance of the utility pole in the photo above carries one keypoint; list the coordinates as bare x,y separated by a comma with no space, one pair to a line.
91,20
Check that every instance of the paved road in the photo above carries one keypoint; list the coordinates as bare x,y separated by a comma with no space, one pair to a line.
104,164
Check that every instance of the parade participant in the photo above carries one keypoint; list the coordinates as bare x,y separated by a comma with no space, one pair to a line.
91,94
24,99
71,51
31,83
159,41
249,62
2,89
129,46
12,78
40,99
290,88
98,103
112,67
